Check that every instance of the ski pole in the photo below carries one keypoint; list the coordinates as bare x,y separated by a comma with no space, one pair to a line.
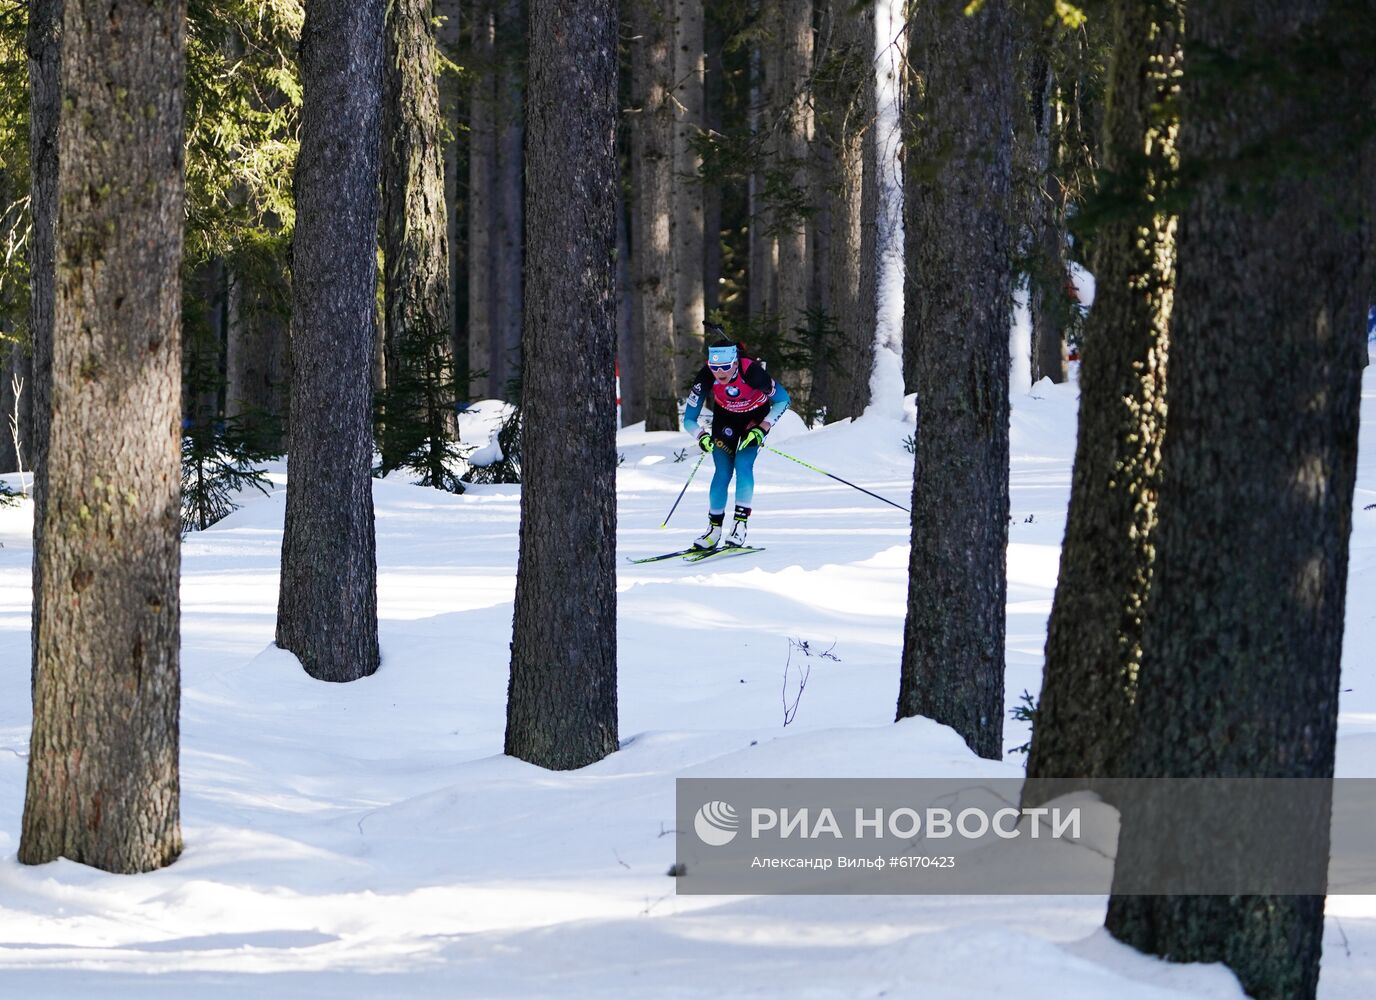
837,478
684,490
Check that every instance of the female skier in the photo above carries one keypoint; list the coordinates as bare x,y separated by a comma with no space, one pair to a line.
746,402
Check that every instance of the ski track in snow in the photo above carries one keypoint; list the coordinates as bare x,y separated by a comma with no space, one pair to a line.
370,839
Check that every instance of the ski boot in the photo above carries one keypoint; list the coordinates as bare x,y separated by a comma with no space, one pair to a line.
709,538
737,537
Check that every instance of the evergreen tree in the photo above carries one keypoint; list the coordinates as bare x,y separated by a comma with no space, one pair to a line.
1244,628
496,196
958,297
418,406
1084,723
327,606
221,456
561,704
103,784
845,126
790,170
654,261
688,69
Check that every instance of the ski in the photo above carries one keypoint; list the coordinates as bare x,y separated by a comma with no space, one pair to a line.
666,555
722,552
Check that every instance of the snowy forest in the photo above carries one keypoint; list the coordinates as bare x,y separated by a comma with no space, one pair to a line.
386,386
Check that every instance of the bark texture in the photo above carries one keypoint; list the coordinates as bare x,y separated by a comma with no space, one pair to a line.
846,103
629,343
1242,643
508,178
415,230
792,107
630,320
656,267
44,43
1084,724
327,607
481,207
958,298
763,247
103,786
561,705
257,355
1049,304
688,72
449,36
496,204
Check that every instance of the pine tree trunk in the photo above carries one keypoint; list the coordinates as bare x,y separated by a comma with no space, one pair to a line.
628,340
415,247
103,786
1244,632
957,132
44,44
482,203
764,248
1049,305
1084,723
257,365
449,36
712,98
202,343
688,190
793,115
630,353
508,231
657,283
561,707
846,111
327,608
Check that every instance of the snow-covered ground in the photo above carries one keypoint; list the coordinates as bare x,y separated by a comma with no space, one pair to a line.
370,839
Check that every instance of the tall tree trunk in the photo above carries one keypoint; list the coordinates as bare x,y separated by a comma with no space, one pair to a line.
846,113
655,189
327,608
630,353
958,136
1243,636
482,203
508,179
449,36
257,363
793,116
44,43
203,331
1084,724
629,343
561,707
1045,217
688,69
415,246
712,99
103,785
764,248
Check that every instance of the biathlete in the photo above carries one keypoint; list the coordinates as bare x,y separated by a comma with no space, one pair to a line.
746,402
